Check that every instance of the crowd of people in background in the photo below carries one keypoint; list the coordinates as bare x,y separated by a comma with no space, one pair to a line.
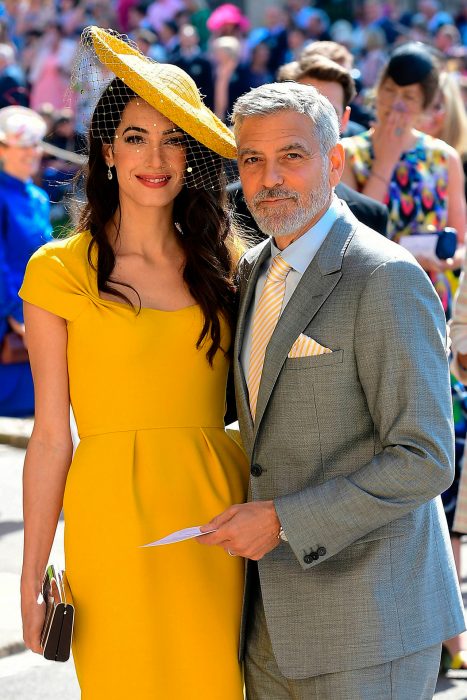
221,50
340,48
216,45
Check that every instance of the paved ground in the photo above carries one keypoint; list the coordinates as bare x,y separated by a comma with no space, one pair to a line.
26,676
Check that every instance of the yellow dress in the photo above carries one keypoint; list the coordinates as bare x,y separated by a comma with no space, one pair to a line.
157,623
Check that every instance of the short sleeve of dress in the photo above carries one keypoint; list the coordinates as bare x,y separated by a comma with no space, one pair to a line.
54,279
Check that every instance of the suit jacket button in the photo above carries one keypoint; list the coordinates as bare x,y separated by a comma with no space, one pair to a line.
314,555
321,551
307,558
256,470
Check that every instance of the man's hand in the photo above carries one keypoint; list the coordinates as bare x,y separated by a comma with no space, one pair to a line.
250,530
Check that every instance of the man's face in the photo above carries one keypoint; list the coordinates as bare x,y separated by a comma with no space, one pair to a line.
334,92
287,184
21,161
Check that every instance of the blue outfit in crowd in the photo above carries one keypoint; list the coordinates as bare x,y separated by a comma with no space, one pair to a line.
24,227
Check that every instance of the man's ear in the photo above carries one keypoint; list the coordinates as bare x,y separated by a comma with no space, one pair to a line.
345,119
107,154
336,161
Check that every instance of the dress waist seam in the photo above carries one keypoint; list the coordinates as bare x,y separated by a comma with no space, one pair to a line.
82,436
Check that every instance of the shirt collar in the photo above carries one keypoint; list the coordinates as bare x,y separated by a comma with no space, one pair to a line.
301,252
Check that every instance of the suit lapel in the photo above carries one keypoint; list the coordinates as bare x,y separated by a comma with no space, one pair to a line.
316,284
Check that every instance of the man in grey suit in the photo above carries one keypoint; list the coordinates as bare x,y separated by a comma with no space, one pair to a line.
351,586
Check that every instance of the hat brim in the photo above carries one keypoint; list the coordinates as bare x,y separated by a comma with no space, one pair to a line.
166,88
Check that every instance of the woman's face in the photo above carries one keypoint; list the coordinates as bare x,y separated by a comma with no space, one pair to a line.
407,99
148,153
261,54
21,162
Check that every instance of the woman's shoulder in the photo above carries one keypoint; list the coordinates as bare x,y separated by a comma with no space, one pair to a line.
58,276
358,142
64,260
358,147
433,145
70,251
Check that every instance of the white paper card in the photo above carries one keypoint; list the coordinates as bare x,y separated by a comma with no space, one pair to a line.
179,536
421,244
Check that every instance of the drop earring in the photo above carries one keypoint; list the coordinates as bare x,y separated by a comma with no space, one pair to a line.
109,173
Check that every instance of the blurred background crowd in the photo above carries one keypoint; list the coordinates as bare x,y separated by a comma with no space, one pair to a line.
342,48
217,44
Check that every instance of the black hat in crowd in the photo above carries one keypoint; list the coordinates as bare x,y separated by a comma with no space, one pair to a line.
410,63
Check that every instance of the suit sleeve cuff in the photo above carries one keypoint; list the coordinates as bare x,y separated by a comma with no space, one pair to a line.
307,551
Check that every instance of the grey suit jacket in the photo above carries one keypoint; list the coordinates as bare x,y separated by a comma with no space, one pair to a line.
354,447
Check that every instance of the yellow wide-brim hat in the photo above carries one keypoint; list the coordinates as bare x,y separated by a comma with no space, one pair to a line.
165,87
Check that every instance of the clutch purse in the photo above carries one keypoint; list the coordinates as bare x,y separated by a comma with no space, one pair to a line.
447,243
59,615
13,349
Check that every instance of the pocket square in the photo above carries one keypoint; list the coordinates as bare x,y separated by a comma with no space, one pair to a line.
307,347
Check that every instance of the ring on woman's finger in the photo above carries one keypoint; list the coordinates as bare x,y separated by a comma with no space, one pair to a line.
398,131
231,553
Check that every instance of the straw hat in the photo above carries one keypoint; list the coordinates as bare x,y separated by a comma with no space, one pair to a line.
165,87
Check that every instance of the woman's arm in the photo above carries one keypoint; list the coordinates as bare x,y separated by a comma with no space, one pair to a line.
456,216
456,197
389,141
378,181
47,460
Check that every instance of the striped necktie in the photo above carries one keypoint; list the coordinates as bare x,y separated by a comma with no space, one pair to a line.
265,319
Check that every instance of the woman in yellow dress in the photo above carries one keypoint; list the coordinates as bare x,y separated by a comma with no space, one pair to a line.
130,320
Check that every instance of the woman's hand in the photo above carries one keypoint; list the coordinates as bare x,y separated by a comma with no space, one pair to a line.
33,614
431,264
390,139
457,261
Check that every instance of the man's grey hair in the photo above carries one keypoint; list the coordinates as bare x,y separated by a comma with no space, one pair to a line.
278,97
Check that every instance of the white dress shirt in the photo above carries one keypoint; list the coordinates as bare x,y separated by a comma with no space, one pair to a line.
299,255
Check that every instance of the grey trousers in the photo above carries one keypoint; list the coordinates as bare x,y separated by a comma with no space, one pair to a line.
408,678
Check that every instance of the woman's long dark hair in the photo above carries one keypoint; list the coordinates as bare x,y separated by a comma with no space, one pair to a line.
202,215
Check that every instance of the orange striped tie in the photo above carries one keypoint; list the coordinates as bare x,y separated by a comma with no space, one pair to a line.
264,321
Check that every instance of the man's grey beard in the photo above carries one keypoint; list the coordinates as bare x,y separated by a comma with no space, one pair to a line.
295,214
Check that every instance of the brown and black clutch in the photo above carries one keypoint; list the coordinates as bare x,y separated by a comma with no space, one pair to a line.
59,616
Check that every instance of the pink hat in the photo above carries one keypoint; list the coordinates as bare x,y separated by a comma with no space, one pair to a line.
227,14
